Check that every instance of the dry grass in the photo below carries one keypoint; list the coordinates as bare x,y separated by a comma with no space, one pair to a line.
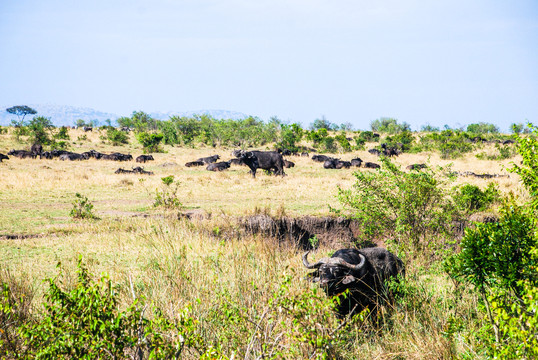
173,263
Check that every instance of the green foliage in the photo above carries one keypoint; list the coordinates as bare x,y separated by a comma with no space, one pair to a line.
405,138
85,323
21,110
482,128
290,135
527,147
323,123
116,137
520,128
389,125
167,196
471,198
58,145
62,134
450,143
3,130
411,206
429,128
139,120
503,152
150,141
40,130
343,142
82,208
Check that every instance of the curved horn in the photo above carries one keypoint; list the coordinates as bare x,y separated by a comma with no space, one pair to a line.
355,267
315,265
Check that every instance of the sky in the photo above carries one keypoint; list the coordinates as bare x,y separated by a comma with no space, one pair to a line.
439,62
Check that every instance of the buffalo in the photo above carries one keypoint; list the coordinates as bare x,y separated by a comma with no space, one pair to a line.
136,170
361,271
36,149
415,166
209,159
374,152
74,156
237,162
22,154
218,166
356,162
266,160
3,157
321,158
288,164
87,128
144,158
371,165
194,163
333,163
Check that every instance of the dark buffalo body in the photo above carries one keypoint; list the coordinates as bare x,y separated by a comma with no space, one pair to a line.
271,161
288,164
136,170
219,166
363,272
209,159
374,152
36,149
144,158
371,165
321,158
332,163
22,154
237,162
356,162
415,166
194,163
3,157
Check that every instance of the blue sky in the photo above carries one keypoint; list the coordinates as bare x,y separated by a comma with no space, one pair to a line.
438,62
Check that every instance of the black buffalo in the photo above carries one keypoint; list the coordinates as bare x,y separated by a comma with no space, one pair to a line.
74,156
3,157
374,152
219,166
209,159
371,165
288,164
36,149
136,170
194,163
415,166
332,163
22,154
356,162
321,158
144,158
46,155
271,161
87,128
363,272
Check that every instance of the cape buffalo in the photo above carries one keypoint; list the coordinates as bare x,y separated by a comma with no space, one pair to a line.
321,158
220,166
209,159
288,164
362,271
144,158
415,166
356,162
266,160
194,163
3,157
371,165
36,149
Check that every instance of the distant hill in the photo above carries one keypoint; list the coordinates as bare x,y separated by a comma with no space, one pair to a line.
62,115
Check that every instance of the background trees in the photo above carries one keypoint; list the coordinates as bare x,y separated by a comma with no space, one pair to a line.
21,110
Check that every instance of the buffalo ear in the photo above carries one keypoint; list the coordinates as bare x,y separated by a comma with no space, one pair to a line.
348,279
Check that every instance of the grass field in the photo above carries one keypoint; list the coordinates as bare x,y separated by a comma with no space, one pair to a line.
174,262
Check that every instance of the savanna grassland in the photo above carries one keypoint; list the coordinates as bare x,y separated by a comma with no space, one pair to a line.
245,294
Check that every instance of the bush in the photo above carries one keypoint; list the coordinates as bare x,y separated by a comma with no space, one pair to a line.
167,196
62,134
411,206
150,142
290,135
116,137
503,152
471,198
82,208
389,125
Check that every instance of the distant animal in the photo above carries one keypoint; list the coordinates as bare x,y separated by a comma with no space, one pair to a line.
333,163
194,163
135,170
3,157
117,157
46,155
266,160
284,152
36,149
94,154
508,142
362,271
371,165
305,154
22,154
237,162
219,166
144,158
415,166
125,128
374,152
288,164
356,162
321,158
74,156
87,128
209,159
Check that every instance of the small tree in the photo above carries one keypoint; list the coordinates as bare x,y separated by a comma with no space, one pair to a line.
389,125
21,110
150,142
116,137
40,129
290,135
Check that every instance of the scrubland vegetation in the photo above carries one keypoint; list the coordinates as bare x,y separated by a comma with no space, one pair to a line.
99,265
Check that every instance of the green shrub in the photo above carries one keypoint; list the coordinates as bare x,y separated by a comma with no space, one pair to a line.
503,152
150,141
62,134
290,136
167,196
471,198
82,208
411,206
116,137
389,125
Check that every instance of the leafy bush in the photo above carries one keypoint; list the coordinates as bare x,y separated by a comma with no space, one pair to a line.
389,125
503,152
450,143
167,196
150,142
116,137
411,206
85,323
403,139
62,134
482,128
471,198
290,135
40,129
82,208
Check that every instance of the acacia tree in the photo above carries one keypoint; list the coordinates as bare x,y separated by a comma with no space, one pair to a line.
21,110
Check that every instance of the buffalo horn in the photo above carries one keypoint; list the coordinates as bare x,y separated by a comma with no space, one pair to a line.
315,265
355,267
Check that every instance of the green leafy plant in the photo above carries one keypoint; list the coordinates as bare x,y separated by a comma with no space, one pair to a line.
62,134
470,198
290,135
82,208
150,141
167,196
116,137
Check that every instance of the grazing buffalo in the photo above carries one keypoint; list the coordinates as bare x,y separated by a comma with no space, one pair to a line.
194,163
3,157
333,163
136,170
356,162
144,158
22,154
305,154
508,142
371,165
284,152
74,156
219,166
288,164
415,166
363,272
46,155
374,152
209,159
87,128
266,160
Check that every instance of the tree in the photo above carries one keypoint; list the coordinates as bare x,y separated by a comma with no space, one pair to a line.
482,128
39,128
323,123
21,110
150,142
389,125
290,135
